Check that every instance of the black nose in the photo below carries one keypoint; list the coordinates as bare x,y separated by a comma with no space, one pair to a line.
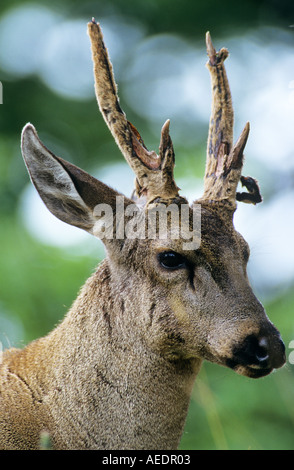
266,352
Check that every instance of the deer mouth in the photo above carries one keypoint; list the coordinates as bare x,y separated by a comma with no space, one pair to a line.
254,372
258,355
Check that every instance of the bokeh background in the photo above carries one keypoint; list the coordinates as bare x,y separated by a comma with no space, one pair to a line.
158,51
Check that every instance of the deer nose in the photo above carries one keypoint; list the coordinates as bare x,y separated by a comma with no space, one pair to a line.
265,352
262,349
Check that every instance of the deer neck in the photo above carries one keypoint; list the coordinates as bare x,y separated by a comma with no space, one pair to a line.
117,383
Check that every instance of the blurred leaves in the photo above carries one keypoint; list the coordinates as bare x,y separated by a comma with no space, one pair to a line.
38,283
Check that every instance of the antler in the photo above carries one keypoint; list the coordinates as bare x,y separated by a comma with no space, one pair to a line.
154,173
224,161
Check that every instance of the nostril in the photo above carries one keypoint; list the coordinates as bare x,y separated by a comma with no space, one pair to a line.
260,354
262,350
254,351
271,351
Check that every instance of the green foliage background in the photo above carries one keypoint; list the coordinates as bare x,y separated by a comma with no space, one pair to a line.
38,282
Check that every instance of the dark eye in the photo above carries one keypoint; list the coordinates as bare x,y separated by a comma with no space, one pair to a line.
171,260
246,253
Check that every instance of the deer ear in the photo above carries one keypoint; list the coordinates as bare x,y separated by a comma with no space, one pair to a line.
69,193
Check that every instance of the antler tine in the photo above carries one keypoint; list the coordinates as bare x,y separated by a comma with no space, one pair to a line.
152,180
220,136
223,160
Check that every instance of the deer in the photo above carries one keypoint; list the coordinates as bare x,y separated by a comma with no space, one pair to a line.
118,371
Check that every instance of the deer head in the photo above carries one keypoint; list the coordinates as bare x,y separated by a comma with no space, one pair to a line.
190,301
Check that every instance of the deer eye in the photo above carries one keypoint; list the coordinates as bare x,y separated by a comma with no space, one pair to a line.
245,252
171,260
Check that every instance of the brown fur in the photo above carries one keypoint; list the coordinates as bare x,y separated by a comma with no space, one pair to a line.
118,371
